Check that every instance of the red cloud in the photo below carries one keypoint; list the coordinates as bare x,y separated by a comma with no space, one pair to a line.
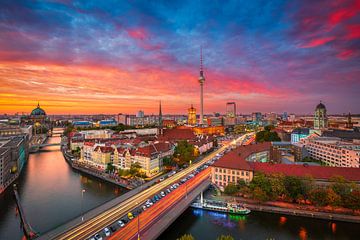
346,54
344,13
318,42
353,32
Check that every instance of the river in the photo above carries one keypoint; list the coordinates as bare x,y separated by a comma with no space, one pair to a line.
50,192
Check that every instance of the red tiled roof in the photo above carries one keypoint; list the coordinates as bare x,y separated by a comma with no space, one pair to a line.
236,159
317,172
233,161
153,148
104,149
177,134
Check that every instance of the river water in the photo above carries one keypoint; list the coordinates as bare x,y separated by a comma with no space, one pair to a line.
50,193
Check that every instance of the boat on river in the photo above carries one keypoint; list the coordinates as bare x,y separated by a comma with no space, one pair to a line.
233,208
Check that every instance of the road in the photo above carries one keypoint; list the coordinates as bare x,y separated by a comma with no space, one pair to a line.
152,215
88,228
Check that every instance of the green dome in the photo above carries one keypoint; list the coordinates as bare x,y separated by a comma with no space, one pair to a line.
38,111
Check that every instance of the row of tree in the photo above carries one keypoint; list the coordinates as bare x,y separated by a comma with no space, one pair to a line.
190,237
338,193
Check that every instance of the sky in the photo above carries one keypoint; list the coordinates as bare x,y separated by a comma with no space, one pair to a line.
122,56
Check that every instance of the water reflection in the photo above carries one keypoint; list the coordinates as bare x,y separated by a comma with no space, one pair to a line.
46,185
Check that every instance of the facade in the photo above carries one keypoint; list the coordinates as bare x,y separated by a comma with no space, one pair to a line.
334,152
231,109
13,156
320,117
256,117
299,134
122,118
235,165
140,114
215,121
192,116
150,157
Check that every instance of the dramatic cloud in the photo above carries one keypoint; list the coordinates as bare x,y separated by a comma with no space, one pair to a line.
122,56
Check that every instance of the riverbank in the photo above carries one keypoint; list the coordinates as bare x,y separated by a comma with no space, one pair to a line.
92,172
296,210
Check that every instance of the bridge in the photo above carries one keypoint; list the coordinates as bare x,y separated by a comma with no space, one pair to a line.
143,226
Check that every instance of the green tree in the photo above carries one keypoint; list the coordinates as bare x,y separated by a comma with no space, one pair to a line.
294,187
231,189
168,162
225,237
267,136
340,185
186,237
333,198
184,152
261,181
352,200
277,182
135,169
260,195
318,196
110,167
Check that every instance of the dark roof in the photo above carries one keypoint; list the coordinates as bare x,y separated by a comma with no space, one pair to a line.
301,131
343,134
317,172
320,106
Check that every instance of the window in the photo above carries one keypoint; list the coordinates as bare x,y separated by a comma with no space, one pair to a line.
247,173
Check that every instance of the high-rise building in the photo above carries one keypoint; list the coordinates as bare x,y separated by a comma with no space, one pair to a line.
140,114
256,117
192,115
201,81
230,113
320,117
230,109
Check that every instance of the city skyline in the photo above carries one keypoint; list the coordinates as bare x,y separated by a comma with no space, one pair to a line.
121,57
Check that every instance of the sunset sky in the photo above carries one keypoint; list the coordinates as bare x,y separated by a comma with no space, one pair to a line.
123,56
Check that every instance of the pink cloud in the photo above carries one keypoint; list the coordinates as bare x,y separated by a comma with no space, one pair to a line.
318,42
138,33
345,54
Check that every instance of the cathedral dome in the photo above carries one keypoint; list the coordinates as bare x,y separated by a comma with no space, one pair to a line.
38,111
320,106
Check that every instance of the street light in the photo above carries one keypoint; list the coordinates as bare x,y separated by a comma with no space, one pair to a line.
82,200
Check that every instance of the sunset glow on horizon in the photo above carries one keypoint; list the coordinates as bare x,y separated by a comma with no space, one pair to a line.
122,56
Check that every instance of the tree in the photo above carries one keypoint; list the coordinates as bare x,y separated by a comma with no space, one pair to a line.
231,189
225,237
261,181
333,198
278,188
110,167
168,162
352,200
340,185
186,237
184,152
267,136
259,194
294,187
318,197
135,169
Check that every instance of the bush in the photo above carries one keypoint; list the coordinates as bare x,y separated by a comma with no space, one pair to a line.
231,189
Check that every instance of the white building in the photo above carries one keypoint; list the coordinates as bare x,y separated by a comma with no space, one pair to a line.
334,152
